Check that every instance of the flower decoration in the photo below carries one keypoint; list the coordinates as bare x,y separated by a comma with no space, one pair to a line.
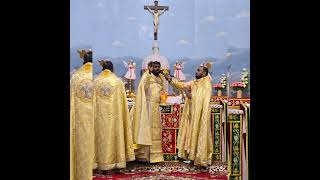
218,86
245,77
223,83
237,85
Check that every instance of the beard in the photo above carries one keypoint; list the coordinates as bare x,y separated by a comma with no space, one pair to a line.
156,73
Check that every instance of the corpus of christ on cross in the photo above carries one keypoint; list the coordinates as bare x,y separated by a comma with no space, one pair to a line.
156,11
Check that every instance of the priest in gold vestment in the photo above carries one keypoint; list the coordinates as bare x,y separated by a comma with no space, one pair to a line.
147,131
195,136
113,135
81,120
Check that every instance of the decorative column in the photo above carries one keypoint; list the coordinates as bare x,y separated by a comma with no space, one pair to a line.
217,131
234,145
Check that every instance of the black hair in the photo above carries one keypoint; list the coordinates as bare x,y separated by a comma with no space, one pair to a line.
150,63
108,65
87,57
157,62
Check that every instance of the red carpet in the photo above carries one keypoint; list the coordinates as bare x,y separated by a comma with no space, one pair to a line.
168,170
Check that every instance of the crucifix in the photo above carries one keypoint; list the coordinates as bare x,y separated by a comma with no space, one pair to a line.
156,11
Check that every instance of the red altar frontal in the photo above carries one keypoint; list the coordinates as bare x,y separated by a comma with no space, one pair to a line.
170,118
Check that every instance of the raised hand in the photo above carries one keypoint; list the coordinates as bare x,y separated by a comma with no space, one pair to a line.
168,77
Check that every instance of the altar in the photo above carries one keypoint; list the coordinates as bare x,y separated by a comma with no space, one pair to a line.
229,127
170,116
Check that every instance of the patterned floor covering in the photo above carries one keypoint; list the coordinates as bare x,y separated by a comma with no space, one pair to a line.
168,170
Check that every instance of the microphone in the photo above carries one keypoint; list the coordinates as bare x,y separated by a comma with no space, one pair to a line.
162,72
